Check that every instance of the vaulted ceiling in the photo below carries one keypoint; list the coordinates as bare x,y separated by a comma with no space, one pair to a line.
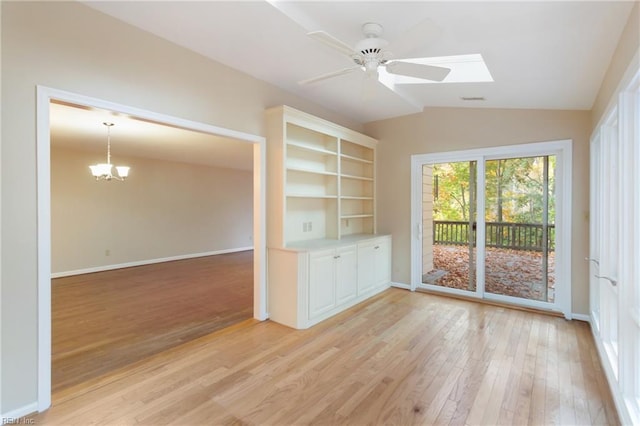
540,54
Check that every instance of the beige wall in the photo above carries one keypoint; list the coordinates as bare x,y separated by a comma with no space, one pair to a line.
164,209
68,46
628,46
71,47
450,129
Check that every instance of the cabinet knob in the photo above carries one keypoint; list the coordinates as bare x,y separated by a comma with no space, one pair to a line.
376,247
336,256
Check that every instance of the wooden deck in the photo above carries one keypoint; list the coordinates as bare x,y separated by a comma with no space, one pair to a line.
509,272
400,358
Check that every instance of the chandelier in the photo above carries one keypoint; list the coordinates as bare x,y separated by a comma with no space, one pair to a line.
103,171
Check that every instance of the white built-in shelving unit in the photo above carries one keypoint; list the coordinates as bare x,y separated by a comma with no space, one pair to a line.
324,177
322,218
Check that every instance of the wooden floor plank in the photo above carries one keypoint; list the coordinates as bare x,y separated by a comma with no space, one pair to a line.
106,320
398,358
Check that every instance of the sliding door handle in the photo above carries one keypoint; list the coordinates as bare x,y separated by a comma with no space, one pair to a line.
611,280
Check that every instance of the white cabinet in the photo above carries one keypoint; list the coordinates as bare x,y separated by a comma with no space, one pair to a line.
374,263
332,278
346,274
308,285
322,282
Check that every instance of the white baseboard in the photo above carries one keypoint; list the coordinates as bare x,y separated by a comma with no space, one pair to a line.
581,317
578,317
12,416
145,262
401,285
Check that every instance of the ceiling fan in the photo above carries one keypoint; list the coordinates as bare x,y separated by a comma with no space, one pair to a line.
370,53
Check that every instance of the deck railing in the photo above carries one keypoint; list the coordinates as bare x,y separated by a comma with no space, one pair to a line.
515,236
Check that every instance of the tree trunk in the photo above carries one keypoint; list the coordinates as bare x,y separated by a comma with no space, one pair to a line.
499,173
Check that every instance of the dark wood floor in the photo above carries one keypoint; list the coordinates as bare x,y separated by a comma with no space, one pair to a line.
400,358
104,321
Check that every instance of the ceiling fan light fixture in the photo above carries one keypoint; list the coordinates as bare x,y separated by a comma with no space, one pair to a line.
372,29
370,46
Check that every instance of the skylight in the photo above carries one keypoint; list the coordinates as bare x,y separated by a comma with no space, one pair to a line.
464,69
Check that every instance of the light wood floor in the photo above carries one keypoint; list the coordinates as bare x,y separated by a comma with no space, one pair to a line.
400,358
106,320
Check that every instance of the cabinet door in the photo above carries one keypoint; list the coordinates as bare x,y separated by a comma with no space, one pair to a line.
374,264
366,267
382,261
322,281
346,274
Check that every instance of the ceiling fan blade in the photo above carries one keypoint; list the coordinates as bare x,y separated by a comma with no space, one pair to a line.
332,42
328,75
425,72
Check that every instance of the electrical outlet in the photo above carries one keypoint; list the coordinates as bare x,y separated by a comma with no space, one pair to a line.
306,227
310,226
107,252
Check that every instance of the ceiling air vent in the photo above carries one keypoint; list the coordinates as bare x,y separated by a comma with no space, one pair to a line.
473,98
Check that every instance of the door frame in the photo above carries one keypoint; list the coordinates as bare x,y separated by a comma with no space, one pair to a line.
621,373
43,157
562,149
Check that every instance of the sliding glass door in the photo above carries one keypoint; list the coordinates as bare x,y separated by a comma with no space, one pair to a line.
449,223
487,224
520,227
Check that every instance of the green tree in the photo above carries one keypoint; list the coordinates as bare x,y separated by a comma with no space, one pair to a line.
451,191
513,190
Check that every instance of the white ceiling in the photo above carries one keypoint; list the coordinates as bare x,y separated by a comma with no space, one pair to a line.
542,54
82,128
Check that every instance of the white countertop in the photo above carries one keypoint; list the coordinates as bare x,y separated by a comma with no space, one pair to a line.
323,243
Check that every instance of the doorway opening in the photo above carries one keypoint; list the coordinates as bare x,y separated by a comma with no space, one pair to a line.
491,224
45,97
144,265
